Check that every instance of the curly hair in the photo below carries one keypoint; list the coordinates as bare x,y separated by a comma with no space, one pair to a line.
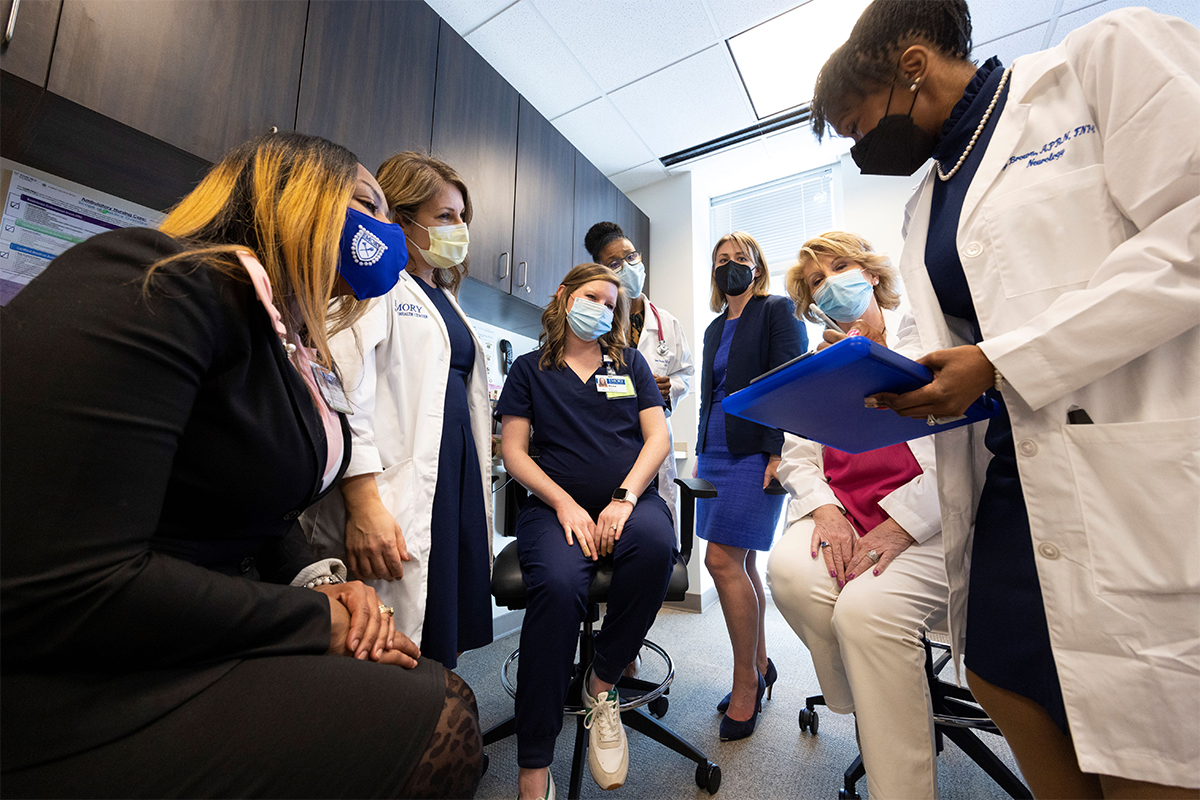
553,340
411,179
866,62
840,244
600,236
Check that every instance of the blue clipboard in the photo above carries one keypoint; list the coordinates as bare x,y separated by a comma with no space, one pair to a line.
820,396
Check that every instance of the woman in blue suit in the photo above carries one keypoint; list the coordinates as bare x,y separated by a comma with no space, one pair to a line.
756,332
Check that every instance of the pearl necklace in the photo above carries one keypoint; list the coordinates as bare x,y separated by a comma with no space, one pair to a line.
945,176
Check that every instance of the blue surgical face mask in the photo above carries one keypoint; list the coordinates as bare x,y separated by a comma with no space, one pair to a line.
844,296
633,277
589,320
373,254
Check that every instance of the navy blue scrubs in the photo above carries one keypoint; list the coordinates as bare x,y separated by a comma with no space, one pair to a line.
1008,640
587,445
458,602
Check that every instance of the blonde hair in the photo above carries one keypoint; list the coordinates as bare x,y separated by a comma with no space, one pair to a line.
411,179
283,197
553,340
761,287
851,246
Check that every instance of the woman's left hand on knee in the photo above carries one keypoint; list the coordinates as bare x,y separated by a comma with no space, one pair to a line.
611,523
886,540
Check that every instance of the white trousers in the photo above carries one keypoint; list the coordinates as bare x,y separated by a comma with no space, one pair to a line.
865,642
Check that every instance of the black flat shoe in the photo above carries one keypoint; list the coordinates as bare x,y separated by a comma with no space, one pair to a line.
769,679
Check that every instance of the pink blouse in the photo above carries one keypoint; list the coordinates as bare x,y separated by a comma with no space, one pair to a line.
861,480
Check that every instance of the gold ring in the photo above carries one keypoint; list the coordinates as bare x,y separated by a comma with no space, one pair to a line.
388,610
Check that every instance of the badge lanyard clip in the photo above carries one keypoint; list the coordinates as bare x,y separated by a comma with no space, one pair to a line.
608,365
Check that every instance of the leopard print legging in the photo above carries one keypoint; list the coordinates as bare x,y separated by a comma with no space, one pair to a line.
452,763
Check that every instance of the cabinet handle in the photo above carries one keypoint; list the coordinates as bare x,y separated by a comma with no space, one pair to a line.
524,276
507,264
274,129
12,22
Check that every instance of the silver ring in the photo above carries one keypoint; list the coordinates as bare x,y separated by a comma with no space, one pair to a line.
931,420
873,556
824,544
614,527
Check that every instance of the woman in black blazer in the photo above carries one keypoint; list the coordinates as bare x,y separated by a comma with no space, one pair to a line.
164,625
756,332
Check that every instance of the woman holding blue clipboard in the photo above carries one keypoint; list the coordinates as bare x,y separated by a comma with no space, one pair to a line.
1051,261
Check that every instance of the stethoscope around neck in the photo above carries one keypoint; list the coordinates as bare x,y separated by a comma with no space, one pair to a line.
663,349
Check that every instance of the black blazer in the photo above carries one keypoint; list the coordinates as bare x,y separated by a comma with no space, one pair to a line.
157,452
768,334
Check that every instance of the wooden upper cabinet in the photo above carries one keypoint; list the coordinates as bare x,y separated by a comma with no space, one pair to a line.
203,75
545,199
475,131
636,226
27,55
595,201
368,77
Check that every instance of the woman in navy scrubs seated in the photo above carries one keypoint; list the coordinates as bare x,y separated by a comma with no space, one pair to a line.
591,407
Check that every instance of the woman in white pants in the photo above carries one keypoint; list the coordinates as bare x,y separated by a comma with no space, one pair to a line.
859,572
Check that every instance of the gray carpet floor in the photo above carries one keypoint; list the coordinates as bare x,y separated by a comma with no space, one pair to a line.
778,761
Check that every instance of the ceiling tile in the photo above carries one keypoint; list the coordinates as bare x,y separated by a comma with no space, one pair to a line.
687,103
553,82
600,132
1187,10
467,15
991,21
623,40
639,176
1009,47
735,16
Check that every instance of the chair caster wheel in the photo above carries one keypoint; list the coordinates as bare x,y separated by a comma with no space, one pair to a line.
708,777
809,720
486,763
844,795
658,706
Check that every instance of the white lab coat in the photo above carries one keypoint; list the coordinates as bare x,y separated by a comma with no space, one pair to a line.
395,364
1083,261
666,350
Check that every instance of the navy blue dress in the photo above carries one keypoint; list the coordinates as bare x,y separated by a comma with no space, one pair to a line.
746,517
458,604
1008,641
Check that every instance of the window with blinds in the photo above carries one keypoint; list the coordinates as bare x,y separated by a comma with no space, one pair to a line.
781,215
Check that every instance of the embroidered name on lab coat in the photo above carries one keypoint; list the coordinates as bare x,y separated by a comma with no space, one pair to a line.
409,310
1051,150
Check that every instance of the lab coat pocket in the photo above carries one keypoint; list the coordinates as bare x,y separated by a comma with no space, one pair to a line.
396,491
1053,233
1138,484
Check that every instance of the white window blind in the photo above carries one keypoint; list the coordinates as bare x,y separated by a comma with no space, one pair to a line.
781,215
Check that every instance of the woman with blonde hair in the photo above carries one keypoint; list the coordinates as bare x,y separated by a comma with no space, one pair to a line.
169,410
859,573
590,405
413,515
755,332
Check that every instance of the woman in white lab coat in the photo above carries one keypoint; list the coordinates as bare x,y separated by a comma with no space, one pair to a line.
652,330
1051,259
414,514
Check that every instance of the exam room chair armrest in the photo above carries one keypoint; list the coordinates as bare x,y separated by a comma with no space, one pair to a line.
691,490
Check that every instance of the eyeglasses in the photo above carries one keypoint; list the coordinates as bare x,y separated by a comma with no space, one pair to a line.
618,264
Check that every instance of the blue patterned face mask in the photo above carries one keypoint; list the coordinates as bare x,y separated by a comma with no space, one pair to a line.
844,296
589,320
373,254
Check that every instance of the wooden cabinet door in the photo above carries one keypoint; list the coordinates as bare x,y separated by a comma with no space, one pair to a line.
545,200
637,227
203,75
475,131
595,201
27,54
368,77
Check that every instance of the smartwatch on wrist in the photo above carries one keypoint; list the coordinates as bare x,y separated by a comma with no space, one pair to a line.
624,494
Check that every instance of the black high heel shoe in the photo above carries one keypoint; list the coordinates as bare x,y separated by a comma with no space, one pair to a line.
732,729
769,679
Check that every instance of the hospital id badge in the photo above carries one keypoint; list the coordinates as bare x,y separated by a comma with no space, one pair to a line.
331,389
615,386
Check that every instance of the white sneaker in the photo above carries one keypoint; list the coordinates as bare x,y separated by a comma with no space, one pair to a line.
608,749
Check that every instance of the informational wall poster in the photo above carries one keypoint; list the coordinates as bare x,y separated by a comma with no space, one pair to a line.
43,218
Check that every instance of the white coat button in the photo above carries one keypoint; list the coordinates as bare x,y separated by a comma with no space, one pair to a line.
1027,447
1047,550
973,249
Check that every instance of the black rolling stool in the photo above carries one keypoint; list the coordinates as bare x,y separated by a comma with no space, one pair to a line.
955,714
508,587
